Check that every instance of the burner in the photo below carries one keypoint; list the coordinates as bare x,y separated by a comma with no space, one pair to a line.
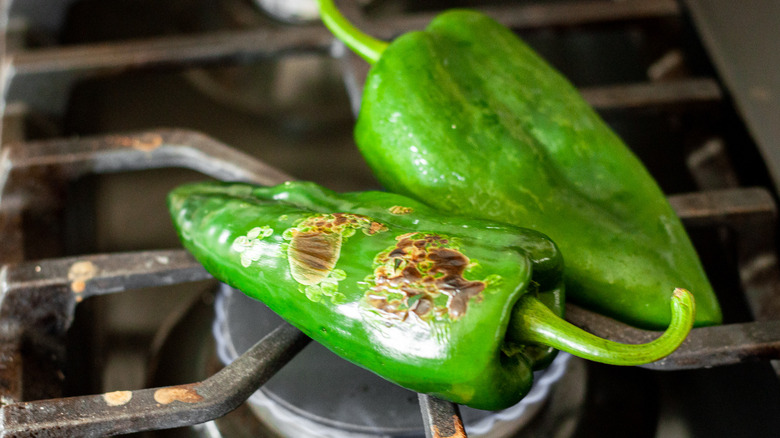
319,394
357,401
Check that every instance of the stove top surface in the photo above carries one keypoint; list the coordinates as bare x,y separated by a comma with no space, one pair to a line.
87,160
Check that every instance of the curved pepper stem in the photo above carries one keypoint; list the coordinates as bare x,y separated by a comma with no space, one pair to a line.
368,47
533,323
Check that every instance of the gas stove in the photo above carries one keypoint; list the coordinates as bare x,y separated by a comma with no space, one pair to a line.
107,327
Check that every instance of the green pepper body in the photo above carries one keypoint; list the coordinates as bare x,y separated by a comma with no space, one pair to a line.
466,118
463,309
381,280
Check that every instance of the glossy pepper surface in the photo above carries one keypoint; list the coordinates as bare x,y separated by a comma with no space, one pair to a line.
463,309
465,117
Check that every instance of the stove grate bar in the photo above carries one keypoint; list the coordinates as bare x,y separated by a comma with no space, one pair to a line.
673,94
69,280
750,216
42,78
440,418
121,412
75,157
533,16
266,42
42,295
705,347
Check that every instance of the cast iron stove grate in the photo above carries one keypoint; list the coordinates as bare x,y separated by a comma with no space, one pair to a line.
39,297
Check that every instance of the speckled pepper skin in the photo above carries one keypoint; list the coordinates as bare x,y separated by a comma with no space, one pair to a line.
466,118
463,309
422,299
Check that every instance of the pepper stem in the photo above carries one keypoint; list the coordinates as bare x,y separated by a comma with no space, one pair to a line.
534,323
368,47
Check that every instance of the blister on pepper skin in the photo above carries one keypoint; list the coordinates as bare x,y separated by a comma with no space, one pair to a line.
315,244
408,293
419,270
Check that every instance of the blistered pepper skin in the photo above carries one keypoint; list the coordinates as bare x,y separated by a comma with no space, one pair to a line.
421,299
462,309
466,118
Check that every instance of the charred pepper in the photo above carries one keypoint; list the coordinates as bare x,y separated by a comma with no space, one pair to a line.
463,309
465,117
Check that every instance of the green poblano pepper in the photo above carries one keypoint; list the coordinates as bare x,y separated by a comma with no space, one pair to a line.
467,118
463,309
